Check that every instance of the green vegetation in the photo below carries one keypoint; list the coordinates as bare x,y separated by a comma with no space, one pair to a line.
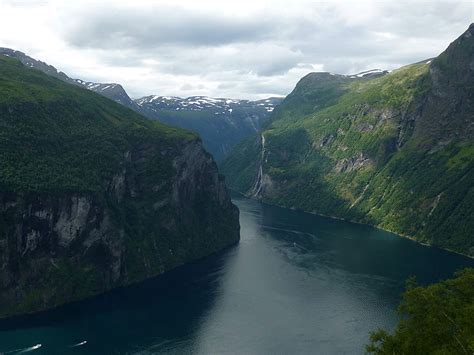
436,319
395,151
221,123
52,132
94,196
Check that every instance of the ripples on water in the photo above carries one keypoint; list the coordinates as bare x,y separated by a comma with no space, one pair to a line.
296,283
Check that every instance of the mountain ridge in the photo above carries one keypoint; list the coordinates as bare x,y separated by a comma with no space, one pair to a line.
221,122
395,151
220,126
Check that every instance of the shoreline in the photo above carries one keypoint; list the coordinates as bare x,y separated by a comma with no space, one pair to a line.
359,223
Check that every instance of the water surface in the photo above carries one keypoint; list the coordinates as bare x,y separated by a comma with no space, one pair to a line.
296,283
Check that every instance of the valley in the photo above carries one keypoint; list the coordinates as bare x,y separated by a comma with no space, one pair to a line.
261,190
295,282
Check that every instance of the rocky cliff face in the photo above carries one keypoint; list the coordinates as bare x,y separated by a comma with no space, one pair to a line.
93,196
60,248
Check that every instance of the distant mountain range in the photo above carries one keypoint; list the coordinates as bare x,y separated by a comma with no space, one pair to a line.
221,122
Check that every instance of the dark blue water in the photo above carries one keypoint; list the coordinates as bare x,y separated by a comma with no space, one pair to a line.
296,283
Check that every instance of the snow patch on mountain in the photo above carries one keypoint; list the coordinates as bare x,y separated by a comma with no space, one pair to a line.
199,103
368,73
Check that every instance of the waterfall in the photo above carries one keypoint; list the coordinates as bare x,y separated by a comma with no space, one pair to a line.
257,188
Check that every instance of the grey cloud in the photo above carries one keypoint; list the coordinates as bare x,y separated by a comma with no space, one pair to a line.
424,19
158,26
265,52
262,59
25,2
225,86
189,87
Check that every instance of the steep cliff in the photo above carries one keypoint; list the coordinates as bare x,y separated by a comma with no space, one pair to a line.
395,150
93,196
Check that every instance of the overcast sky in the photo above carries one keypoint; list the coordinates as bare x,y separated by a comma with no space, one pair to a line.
241,49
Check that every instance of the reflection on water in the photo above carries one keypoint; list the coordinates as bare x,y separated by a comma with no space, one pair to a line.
296,283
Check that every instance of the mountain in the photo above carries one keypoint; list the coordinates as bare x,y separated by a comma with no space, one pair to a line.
112,91
36,64
222,123
93,196
394,150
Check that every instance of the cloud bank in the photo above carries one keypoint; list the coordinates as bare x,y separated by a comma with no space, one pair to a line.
245,49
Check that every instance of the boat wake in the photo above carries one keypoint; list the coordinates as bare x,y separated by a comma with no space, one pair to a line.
79,344
23,350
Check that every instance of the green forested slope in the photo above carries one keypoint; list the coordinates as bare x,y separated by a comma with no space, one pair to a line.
93,196
57,137
395,151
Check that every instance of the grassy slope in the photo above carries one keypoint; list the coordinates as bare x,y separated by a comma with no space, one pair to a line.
57,137
407,182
